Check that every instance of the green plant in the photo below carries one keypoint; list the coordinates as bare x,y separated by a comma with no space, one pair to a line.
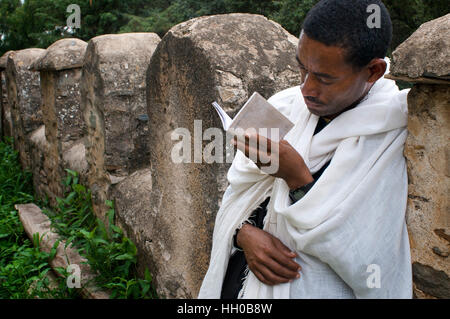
110,254
24,268
72,213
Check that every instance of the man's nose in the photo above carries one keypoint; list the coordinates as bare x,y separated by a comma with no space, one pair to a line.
309,87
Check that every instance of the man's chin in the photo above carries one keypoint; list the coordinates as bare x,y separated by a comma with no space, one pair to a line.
314,108
321,110
316,111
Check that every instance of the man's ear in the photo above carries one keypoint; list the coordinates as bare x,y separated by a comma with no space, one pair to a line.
376,69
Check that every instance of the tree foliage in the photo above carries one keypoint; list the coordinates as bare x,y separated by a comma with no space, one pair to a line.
38,23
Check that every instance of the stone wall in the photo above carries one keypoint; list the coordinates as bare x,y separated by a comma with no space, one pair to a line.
112,107
5,111
424,59
41,166
24,99
60,74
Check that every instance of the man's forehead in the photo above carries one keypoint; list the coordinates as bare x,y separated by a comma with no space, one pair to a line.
322,58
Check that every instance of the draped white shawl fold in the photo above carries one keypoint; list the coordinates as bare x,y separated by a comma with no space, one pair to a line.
352,218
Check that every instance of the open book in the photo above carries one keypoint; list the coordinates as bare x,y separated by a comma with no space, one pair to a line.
259,114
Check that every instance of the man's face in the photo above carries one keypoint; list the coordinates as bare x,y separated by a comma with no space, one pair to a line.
330,84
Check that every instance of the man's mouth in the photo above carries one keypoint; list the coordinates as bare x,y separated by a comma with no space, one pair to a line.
312,104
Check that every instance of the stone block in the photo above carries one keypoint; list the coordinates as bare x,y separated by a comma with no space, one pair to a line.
114,109
36,222
425,55
223,58
41,167
60,74
24,99
427,154
5,112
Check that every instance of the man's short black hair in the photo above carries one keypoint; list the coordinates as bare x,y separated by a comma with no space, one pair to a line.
344,23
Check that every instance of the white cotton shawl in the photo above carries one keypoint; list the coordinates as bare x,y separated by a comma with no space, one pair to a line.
353,217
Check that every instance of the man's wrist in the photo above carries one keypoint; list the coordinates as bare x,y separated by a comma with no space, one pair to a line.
239,234
298,182
298,193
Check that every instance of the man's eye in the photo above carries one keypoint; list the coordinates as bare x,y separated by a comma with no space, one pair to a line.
324,82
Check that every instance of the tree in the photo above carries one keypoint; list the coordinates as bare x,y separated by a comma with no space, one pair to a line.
38,23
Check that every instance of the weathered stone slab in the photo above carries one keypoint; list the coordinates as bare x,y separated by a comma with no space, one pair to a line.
24,99
132,199
222,58
426,53
424,59
74,158
41,167
114,108
427,152
60,74
34,221
5,112
64,54
432,281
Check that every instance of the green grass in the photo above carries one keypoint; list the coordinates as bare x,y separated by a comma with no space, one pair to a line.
23,267
109,253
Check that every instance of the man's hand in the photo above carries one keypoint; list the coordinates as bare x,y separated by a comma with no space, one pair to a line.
291,166
267,257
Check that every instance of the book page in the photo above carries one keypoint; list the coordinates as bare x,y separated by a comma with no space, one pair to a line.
259,114
224,118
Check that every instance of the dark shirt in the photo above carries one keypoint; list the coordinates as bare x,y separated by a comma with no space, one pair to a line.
237,264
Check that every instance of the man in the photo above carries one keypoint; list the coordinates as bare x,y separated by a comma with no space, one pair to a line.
330,223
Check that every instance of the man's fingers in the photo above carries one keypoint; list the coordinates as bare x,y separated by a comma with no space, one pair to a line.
268,258
255,140
260,156
284,249
281,270
275,267
284,256
261,277
271,276
282,261
250,152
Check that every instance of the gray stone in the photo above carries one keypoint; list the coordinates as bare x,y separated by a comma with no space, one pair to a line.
4,59
427,157
425,54
131,198
222,58
60,74
41,167
36,222
24,99
431,281
113,97
74,158
5,111
64,54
